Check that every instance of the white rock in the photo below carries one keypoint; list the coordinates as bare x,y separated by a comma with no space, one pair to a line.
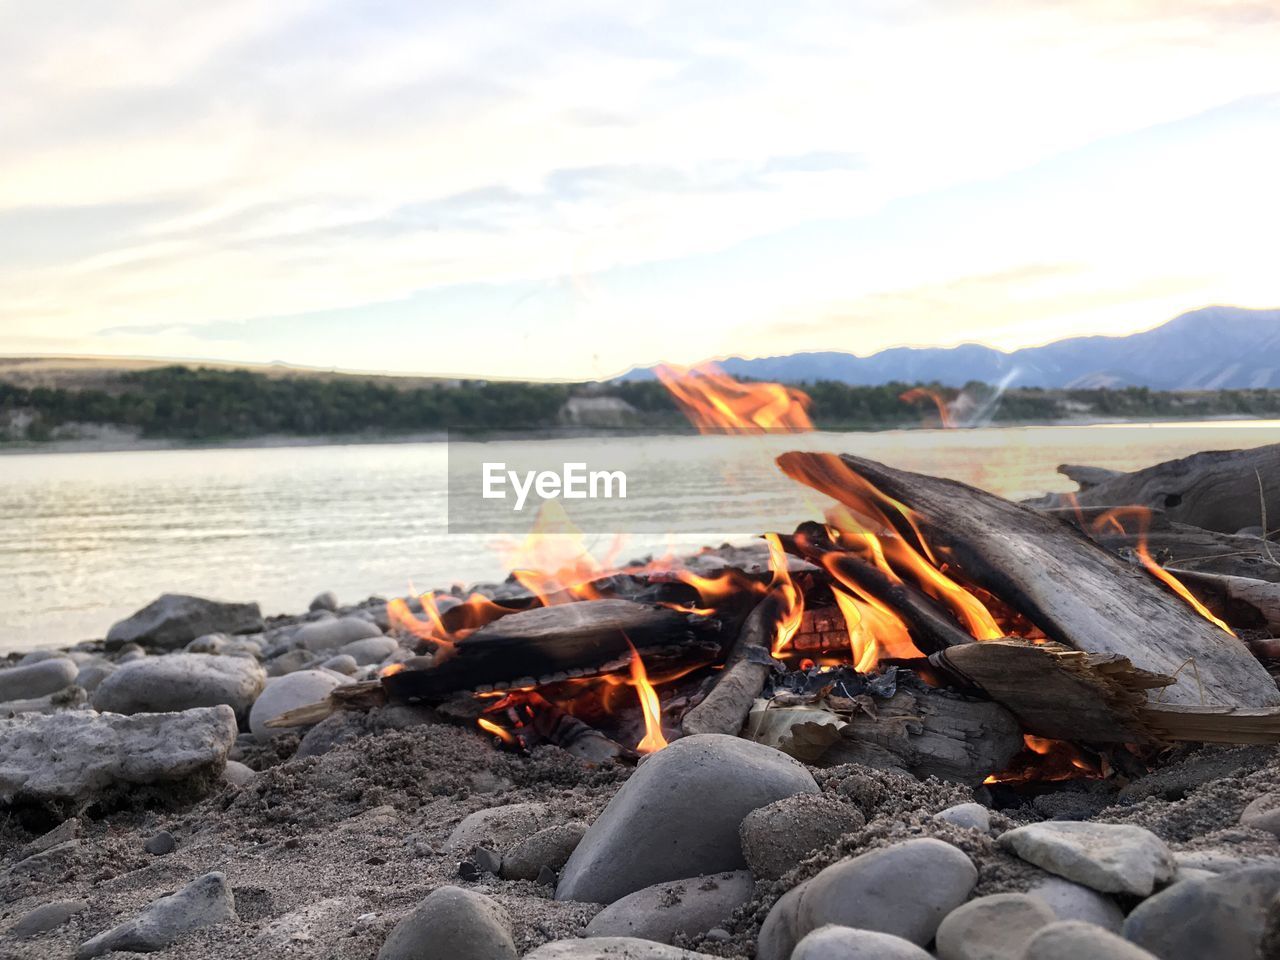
455,923
997,927
75,758
904,889
343,664
666,909
1263,813
1074,901
180,681
612,948
845,943
330,634
93,672
203,902
237,774
288,693
1110,857
1075,940
500,827
972,815
37,679
369,650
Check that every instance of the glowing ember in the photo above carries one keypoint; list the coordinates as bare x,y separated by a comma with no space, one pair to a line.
1113,519
506,736
1045,760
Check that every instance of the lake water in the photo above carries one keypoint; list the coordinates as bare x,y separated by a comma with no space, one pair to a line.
87,538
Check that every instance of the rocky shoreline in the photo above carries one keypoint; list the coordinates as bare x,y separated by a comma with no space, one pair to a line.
150,809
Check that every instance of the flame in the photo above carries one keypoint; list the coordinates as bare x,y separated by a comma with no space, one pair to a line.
390,669
714,402
1113,518
791,600
554,563
916,394
445,622
1043,759
650,706
865,514
506,736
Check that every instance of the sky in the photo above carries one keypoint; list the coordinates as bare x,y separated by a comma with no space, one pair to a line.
569,188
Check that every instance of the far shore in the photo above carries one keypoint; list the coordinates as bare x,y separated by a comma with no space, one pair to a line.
119,444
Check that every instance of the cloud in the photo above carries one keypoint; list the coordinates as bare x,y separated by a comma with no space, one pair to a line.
175,174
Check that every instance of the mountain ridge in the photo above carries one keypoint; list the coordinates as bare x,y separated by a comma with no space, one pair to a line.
1214,347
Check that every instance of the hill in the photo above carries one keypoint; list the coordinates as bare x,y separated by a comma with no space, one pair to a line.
1213,348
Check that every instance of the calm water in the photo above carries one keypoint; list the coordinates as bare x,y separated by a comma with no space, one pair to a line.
87,538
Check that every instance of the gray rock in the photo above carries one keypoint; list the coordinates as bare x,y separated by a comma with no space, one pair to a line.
1263,814
343,663
65,699
160,844
209,643
454,923
337,728
905,889
291,661
93,673
331,634
129,653
500,827
997,927
328,600
549,848
664,910
489,861
370,649
174,619
1073,901
1110,857
972,815
75,758
180,681
1076,940
1220,860
845,943
1222,916
237,774
612,948
48,917
35,656
68,829
37,679
203,902
288,693
687,802
778,836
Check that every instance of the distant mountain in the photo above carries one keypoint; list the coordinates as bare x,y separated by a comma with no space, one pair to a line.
1207,349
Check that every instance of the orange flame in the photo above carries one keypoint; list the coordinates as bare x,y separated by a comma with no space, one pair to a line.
714,402
790,598
916,394
1142,516
650,706
506,736
864,506
875,631
1048,760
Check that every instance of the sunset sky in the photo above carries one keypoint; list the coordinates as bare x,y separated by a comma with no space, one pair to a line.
565,189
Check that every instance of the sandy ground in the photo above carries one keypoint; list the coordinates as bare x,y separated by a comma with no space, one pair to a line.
326,854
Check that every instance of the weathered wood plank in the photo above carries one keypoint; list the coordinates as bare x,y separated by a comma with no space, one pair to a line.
1072,589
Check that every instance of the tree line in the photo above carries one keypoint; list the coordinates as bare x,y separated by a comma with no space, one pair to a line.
206,404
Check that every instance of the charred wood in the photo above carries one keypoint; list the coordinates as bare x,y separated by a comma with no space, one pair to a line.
1072,589
725,707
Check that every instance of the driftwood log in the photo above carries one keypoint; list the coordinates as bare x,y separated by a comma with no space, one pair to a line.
1223,490
1086,477
546,645
1241,601
1190,548
748,666
1076,592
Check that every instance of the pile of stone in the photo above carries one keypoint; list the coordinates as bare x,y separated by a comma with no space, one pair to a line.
716,846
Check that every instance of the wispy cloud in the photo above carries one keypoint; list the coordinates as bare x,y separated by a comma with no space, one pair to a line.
638,182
